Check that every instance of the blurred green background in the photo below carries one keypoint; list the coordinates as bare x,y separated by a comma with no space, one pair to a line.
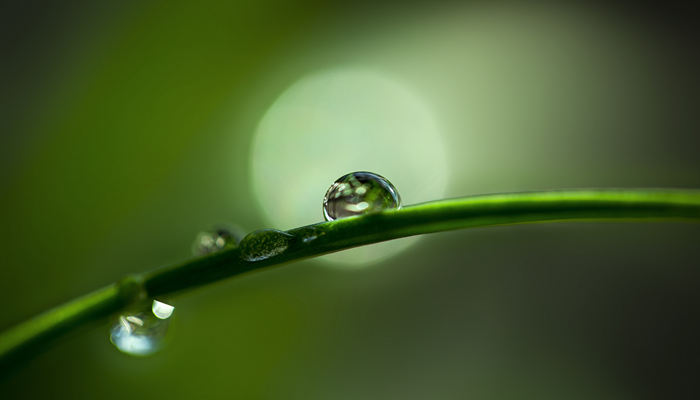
128,128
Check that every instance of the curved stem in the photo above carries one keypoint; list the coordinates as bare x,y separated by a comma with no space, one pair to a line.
270,247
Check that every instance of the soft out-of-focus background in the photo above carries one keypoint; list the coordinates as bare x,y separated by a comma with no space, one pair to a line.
127,128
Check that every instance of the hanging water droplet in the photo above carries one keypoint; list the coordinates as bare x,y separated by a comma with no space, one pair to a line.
263,244
208,242
142,333
359,193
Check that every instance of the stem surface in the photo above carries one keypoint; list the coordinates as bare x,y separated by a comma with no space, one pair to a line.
271,247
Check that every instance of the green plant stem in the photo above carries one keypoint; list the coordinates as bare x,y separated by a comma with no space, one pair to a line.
271,247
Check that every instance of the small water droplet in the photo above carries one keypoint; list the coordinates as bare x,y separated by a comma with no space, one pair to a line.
308,234
359,193
263,244
141,333
308,239
208,242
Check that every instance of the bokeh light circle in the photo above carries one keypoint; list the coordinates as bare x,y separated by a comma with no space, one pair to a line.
338,121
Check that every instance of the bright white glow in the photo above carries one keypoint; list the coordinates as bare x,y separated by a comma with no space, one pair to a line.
132,344
357,207
139,335
334,122
162,310
134,320
124,325
206,240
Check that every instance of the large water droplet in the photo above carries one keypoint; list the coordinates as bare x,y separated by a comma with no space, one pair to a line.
359,193
141,333
215,240
263,244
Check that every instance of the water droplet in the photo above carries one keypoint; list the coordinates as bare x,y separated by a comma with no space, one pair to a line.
359,193
141,333
308,234
263,244
215,240
309,239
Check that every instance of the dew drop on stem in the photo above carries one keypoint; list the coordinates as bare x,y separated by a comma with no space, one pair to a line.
142,332
359,193
214,240
263,244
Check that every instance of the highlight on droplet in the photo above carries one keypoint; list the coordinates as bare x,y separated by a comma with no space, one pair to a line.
162,310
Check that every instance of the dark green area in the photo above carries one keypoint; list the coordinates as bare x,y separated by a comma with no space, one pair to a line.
125,130
269,247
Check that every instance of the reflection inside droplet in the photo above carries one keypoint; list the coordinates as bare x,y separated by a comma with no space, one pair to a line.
142,333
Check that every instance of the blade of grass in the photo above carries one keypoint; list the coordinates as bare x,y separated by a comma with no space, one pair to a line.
270,247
